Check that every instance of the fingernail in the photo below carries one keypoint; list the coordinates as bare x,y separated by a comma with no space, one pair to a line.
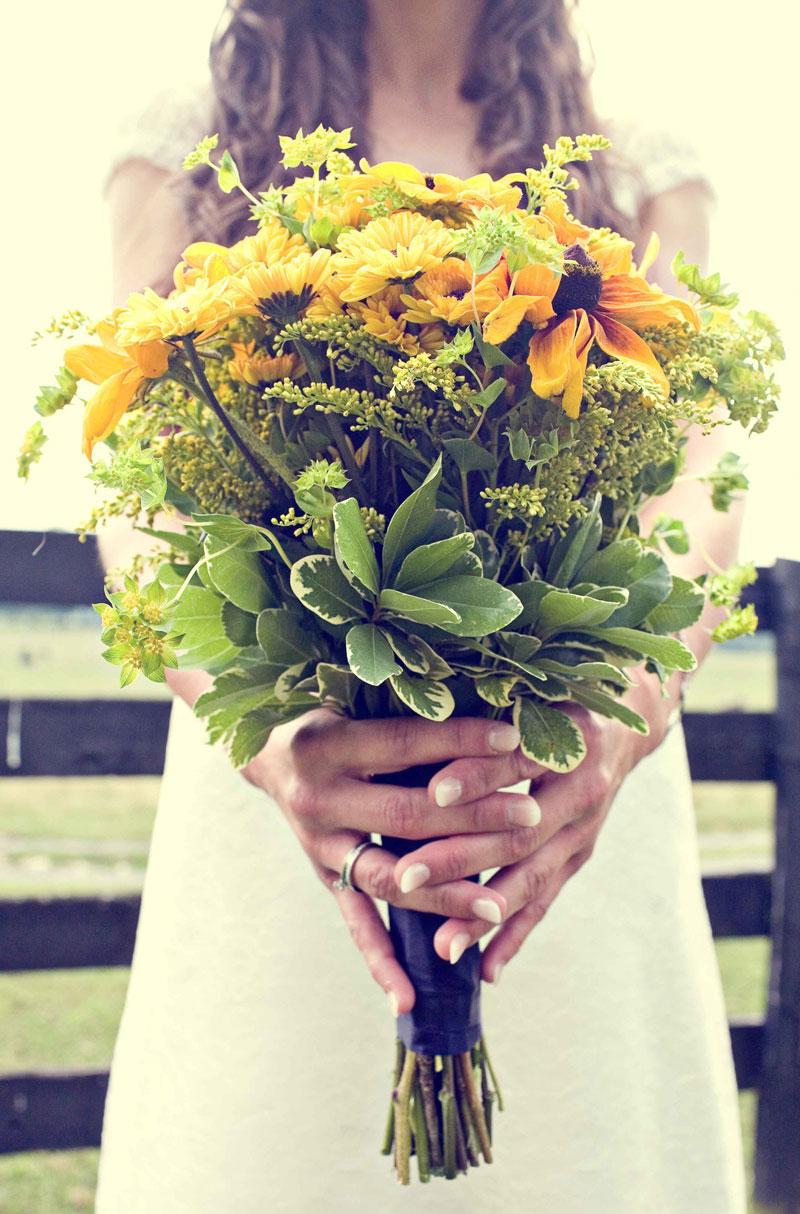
393,1004
414,876
484,908
525,813
504,737
447,791
458,946
498,969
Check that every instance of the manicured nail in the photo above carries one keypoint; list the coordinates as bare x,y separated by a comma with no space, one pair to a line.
414,876
504,737
525,812
458,946
484,908
393,1004
447,791
498,969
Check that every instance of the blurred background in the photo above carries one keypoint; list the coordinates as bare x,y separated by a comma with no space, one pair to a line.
718,74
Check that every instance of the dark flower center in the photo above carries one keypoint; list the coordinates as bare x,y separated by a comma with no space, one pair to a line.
430,183
580,283
285,306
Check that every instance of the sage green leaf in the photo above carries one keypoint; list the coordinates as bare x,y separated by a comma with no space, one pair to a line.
562,611
597,700
482,606
239,626
469,455
649,583
490,393
287,690
426,697
487,552
370,655
282,639
197,618
238,575
181,541
682,608
580,541
352,544
519,645
234,694
337,684
612,565
669,651
445,522
492,355
431,561
548,736
230,530
410,521
420,610
250,736
601,672
321,586
530,594
408,650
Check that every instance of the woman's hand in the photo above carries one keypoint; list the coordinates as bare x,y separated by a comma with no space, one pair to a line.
534,863
318,769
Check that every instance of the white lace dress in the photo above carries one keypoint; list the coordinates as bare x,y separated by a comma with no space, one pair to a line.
251,1069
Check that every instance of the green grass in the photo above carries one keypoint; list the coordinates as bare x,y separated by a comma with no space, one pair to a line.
90,835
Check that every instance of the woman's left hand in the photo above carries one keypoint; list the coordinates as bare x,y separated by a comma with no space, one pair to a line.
534,862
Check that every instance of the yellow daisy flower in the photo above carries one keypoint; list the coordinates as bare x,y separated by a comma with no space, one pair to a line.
287,290
442,191
382,317
388,250
251,367
271,244
445,293
199,311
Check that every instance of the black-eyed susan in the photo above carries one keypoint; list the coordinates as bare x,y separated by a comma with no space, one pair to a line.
446,293
119,374
592,305
288,290
530,298
252,366
455,197
394,249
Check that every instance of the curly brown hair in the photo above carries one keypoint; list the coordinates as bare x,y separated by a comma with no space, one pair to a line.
278,65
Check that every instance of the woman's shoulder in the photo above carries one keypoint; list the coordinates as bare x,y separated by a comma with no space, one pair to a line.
649,160
165,129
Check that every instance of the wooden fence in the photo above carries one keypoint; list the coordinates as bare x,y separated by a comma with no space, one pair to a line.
63,1109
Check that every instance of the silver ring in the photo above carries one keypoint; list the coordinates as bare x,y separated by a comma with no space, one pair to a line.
345,880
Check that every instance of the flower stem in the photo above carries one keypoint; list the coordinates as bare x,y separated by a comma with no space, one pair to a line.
402,1119
464,1063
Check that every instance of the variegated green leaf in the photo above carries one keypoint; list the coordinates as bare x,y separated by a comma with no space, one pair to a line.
482,606
425,697
431,561
497,689
410,521
669,651
420,610
608,706
321,586
352,544
407,650
548,736
282,639
370,655
337,684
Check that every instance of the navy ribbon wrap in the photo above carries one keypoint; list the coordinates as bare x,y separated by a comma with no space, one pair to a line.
445,1018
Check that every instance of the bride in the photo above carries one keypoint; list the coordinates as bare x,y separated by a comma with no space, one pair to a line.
249,1070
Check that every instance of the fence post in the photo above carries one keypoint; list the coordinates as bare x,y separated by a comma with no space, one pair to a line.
777,1165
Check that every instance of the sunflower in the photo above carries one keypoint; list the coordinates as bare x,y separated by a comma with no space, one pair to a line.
455,198
592,307
253,367
287,290
445,293
119,374
389,250
199,311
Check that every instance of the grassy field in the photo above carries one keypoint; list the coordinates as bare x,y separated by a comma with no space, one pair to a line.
91,836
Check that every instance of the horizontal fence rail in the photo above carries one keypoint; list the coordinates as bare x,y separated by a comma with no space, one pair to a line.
47,737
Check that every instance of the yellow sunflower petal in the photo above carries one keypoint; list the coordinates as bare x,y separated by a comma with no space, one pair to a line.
621,342
94,363
573,388
107,406
550,355
506,318
637,303
151,357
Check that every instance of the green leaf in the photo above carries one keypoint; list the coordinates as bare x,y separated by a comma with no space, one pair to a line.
420,610
238,575
669,651
601,672
530,594
445,523
580,541
548,736
562,611
432,561
282,639
228,174
179,540
353,545
408,650
482,606
230,530
468,455
612,565
649,583
672,532
492,356
321,586
497,689
490,393
597,700
370,655
239,626
197,617
426,697
337,684
234,694
680,609
251,736
410,521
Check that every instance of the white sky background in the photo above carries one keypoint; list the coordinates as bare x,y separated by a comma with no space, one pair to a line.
721,71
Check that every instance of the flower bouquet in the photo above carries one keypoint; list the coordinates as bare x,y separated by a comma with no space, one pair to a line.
410,423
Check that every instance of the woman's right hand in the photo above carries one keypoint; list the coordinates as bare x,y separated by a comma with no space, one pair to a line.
318,769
